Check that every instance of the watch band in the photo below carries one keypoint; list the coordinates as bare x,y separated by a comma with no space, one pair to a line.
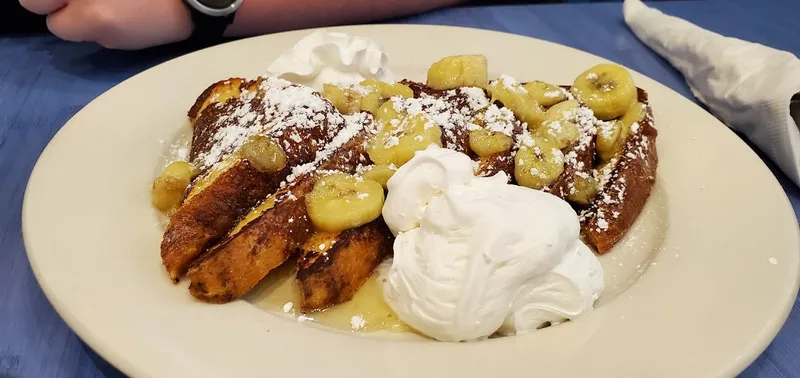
208,29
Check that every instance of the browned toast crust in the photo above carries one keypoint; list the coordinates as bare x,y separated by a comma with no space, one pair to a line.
230,86
207,216
333,267
232,268
492,165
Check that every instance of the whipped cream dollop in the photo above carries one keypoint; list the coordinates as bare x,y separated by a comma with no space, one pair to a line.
474,256
324,57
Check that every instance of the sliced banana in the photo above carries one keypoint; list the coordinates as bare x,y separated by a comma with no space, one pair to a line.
346,101
607,89
539,165
400,138
380,173
610,139
169,189
634,114
517,99
566,110
611,136
263,153
379,92
459,71
545,94
585,189
561,134
387,112
487,143
559,125
367,96
341,202
387,90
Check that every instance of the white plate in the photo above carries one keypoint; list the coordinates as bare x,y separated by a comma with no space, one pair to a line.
718,243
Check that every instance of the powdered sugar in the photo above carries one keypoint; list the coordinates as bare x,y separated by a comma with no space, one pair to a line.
353,125
498,120
451,112
283,105
358,322
511,84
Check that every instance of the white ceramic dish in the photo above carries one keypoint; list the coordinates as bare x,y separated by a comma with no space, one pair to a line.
717,247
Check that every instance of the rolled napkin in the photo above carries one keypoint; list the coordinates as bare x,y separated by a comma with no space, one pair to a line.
753,88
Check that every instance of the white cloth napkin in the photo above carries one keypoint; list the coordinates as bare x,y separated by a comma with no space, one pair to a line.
747,85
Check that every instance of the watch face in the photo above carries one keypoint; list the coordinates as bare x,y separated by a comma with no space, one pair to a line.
217,4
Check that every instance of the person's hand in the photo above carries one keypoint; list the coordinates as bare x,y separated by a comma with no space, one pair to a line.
119,24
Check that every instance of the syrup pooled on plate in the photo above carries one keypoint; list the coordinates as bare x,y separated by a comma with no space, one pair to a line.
366,312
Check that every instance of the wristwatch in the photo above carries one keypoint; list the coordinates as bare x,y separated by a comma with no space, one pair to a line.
211,18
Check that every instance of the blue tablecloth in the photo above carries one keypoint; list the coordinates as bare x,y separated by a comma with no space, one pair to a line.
44,82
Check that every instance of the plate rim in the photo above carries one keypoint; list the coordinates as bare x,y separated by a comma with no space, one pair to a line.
127,366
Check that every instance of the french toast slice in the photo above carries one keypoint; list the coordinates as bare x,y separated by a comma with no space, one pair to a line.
219,92
332,267
233,267
206,216
268,238
296,118
625,186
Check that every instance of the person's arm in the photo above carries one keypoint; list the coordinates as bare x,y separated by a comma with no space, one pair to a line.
134,24
267,16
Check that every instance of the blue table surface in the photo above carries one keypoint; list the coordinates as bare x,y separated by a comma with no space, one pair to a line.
44,82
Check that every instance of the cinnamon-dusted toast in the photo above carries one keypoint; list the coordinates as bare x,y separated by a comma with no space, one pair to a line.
268,239
295,117
332,267
625,186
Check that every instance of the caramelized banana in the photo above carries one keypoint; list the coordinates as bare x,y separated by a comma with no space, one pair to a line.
340,202
380,92
487,143
380,173
566,110
459,71
400,138
545,94
169,188
559,124
611,136
607,89
585,189
263,153
346,101
517,99
538,165
634,114
367,96
387,90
